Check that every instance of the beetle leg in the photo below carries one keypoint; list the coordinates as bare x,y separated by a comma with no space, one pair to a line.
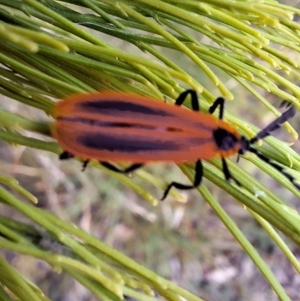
85,164
194,99
227,173
126,170
219,102
65,155
197,181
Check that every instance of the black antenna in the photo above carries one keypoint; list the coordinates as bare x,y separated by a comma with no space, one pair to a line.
275,165
266,132
274,125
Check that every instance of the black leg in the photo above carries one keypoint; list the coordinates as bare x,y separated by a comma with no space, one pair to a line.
65,156
194,99
197,181
219,102
84,165
126,170
227,173
285,103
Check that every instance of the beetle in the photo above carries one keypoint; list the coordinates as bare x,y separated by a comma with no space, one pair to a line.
118,127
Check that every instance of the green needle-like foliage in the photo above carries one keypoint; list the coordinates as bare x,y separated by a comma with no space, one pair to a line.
52,49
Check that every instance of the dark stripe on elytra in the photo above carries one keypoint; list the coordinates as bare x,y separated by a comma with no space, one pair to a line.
100,141
110,107
107,123
113,124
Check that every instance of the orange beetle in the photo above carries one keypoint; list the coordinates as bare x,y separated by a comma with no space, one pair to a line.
119,127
